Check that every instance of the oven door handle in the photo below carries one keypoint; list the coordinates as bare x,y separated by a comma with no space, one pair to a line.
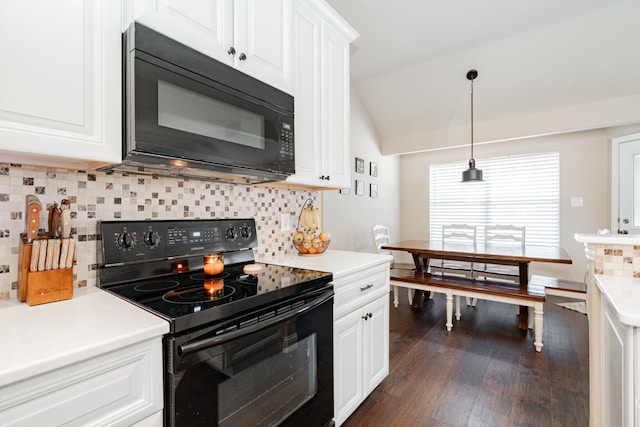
195,346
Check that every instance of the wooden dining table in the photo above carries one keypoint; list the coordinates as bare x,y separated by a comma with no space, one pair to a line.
521,256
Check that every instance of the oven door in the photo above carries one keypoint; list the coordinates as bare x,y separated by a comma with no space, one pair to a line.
271,367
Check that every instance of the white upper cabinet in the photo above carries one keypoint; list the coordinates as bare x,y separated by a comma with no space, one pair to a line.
253,36
60,82
321,41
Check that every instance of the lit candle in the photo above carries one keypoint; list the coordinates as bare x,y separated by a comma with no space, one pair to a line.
213,264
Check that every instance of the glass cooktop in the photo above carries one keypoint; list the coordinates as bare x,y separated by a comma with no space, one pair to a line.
193,298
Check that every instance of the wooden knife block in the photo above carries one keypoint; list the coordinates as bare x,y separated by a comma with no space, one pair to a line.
39,287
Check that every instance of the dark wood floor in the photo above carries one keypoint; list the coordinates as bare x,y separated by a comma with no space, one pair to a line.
485,372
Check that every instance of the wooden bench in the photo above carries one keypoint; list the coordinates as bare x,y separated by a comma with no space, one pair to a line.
561,287
533,296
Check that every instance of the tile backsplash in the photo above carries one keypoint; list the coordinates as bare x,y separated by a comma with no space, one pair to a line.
615,259
99,196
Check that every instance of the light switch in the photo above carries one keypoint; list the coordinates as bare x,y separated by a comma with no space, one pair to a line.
284,222
576,202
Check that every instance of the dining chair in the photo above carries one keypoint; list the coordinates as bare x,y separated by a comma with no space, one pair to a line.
456,233
504,235
381,237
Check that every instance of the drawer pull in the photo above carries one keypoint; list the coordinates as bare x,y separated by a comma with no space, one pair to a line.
369,286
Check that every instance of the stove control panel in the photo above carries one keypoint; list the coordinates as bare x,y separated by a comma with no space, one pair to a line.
135,241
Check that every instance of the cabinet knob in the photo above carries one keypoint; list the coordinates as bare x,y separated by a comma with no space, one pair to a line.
367,316
232,51
242,57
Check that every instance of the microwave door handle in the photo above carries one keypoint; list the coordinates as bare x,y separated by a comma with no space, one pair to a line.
195,346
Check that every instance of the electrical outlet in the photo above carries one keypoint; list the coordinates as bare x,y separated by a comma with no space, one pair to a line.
284,222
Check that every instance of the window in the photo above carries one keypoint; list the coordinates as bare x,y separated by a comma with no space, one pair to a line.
521,190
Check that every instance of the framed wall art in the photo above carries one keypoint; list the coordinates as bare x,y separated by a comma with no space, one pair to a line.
373,190
359,187
359,165
373,169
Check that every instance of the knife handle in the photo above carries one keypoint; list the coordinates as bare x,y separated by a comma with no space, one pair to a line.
71,252
33,220
65,221
42,257
49,259
35,254
57,243
64,250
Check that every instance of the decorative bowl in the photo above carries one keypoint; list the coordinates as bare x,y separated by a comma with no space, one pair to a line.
311,248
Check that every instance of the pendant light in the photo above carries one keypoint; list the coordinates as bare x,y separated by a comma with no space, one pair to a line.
472,174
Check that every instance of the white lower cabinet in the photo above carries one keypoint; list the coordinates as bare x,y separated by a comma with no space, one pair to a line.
361,337
121,388
620,371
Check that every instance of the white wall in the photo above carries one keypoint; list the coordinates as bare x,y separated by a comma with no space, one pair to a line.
584,172
348,217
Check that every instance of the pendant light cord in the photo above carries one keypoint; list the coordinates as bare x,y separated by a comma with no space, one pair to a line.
472,118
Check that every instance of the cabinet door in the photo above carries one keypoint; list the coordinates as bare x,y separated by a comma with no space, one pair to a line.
306,89
263,33
204,25
376,343
347,345
321,87
122,388
617,389
335,107
60,82
252,35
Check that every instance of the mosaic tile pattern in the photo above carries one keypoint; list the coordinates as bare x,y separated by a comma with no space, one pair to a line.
99,196
616,260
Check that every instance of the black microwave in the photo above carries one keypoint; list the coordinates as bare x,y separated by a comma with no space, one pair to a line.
186,114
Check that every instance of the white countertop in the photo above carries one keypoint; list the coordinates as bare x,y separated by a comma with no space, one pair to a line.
339,263
624,295
608,239
41,338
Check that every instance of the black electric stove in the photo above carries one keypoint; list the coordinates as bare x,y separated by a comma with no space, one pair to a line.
158,265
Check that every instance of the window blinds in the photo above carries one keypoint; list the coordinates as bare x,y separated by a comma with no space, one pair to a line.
521,190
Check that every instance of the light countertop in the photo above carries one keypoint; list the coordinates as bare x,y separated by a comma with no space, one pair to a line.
609,239
340,263
624,295
42,338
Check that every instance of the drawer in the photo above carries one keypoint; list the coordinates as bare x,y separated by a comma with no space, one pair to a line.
120,388
357,289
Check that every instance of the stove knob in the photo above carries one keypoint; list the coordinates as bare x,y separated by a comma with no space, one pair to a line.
125,240
245,232
151,238
231,233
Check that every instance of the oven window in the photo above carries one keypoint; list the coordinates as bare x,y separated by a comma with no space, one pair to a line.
188,111
257,381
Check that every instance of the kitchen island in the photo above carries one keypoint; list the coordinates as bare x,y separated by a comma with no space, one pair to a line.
92,359
360,321
613,298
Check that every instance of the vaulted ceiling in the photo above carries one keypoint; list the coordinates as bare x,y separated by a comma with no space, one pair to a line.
544,66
